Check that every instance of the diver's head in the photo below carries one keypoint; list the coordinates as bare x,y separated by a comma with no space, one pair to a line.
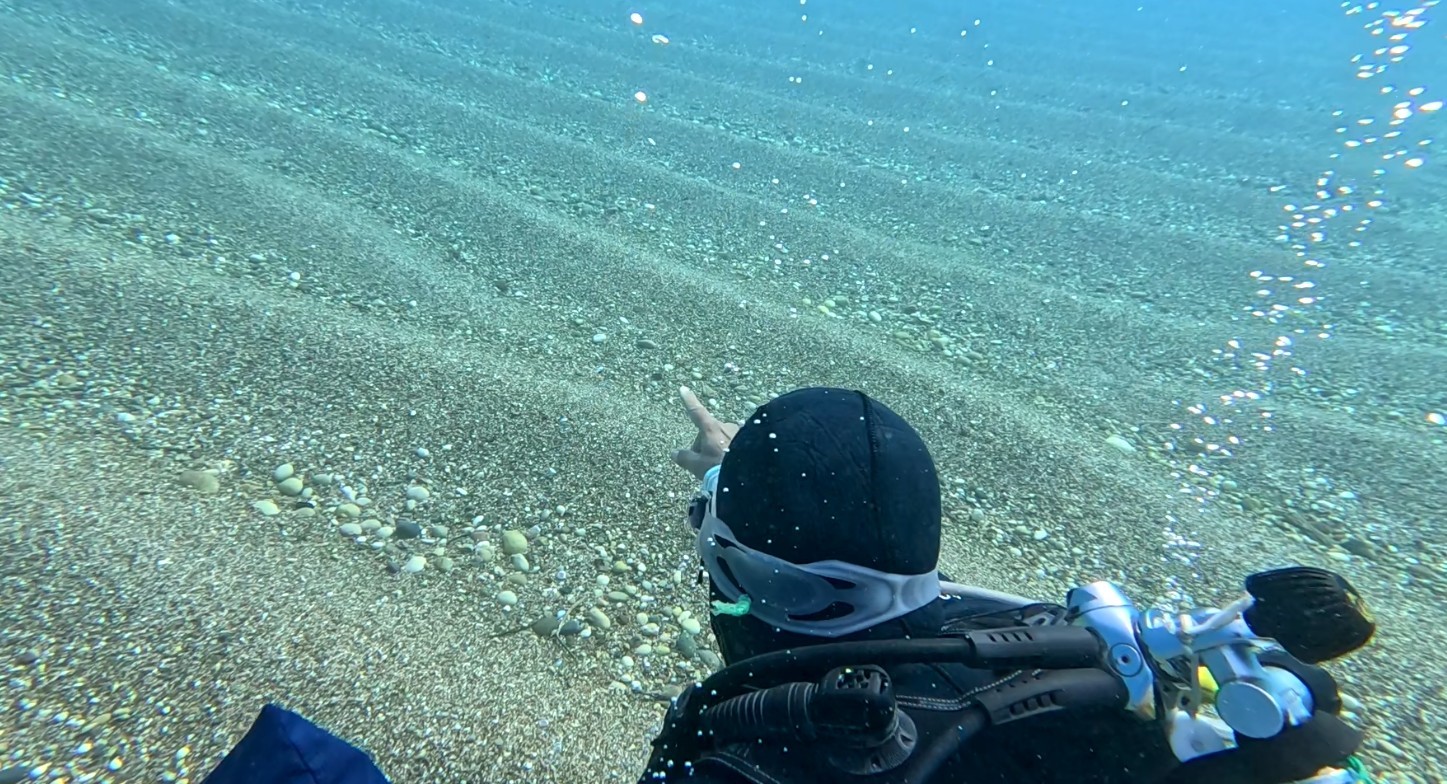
826,515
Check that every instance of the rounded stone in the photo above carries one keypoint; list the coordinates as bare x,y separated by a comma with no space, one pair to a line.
514,543
598,619
507,598
201,481
1120,444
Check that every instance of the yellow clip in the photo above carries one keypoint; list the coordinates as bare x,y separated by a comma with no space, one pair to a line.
1208,684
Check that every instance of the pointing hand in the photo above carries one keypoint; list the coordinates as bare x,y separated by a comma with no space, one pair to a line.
711,442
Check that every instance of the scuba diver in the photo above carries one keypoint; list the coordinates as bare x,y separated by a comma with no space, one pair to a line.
850,658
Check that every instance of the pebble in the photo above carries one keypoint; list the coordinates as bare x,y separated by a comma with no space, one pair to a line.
291,485
371,524
349,510
418,493
691,625
446,564
406,529
415,564
520,563
598,619
351,529
267,507
1390,748
1120,444
201,481
507,597
283,472
514,543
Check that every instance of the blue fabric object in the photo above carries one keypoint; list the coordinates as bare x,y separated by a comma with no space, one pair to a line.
283,748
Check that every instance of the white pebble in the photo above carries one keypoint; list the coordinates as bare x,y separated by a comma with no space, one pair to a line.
418,493
283,472
1120,444
351,529
507,597
414,564
267,507
691,625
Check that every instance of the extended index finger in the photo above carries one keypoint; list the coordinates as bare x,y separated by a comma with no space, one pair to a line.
702,419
